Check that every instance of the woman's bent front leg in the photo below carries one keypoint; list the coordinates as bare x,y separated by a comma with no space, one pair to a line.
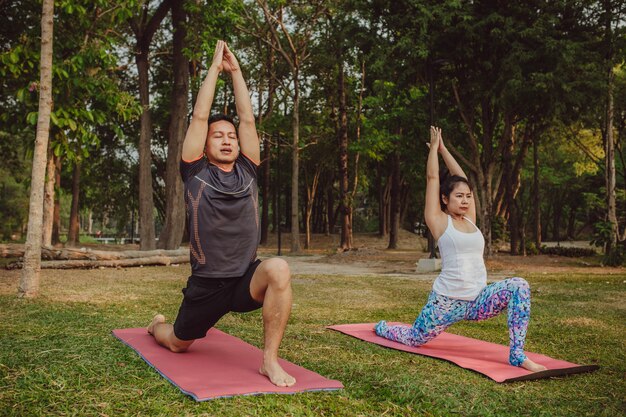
512,294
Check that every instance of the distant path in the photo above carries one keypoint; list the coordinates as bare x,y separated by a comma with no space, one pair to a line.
318,265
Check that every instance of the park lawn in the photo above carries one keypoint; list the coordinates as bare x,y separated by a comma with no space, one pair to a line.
58,357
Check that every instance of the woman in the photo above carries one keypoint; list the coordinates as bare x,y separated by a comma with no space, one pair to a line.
460,292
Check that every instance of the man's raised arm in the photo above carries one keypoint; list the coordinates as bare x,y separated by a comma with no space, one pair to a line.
195,139
248,138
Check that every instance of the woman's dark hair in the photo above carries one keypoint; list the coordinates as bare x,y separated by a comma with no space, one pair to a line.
448,184
219,117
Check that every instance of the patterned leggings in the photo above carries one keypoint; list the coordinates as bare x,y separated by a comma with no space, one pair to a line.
441,312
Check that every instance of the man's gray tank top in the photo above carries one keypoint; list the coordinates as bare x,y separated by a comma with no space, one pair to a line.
222,217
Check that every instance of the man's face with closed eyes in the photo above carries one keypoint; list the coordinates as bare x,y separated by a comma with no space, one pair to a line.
222,145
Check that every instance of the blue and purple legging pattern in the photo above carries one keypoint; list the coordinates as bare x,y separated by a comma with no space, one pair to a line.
440,312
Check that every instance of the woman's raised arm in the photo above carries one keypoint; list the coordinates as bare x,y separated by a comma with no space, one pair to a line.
436,219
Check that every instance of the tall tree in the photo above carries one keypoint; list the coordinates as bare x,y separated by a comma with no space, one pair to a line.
291,40
612,13
29,279
144,27
172,232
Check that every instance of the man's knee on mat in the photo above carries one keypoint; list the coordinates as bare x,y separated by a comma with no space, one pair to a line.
177,345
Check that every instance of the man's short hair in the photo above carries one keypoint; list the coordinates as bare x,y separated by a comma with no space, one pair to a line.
219,117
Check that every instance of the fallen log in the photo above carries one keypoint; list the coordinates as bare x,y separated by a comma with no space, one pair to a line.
102,255
116,263
11,250
50,253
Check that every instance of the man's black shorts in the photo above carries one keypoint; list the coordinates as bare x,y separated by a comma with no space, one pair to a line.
206,300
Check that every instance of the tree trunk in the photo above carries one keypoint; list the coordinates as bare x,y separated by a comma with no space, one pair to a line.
556,218
267,149
508,183
144,28
56,218
382,219
146,199
173,228
48,202
311,192
571,222
345,196
276,196
330,208
545,222
29,279
394,222
90,222
266,172
522,231
73,234
609,143
536,194
381,203
295,166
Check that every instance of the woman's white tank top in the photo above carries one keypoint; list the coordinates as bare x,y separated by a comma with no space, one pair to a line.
463,273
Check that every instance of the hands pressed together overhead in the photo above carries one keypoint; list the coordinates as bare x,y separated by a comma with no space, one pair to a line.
224,59
436,140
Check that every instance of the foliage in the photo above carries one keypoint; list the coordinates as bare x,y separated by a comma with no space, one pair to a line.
540,63
13,206
602,238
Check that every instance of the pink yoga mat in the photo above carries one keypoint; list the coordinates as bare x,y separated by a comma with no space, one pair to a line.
489,359
219,365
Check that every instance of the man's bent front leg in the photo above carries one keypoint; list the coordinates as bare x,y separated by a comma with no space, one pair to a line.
271,285
164,335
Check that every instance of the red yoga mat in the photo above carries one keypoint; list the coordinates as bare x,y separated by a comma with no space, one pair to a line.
489,359
219,365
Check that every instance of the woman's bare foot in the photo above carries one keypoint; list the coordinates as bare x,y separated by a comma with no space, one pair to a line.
277,374
533,366
159,318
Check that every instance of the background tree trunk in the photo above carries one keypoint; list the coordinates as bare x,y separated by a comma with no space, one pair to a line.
345,196
173,228
29,279
146,199
609,143
144,29
394,220
330,208
56,219
536,194
48,202
73,234
508,183
267,148
295,165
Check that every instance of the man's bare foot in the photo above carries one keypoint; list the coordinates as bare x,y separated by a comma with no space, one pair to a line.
277,374
159,318
533,366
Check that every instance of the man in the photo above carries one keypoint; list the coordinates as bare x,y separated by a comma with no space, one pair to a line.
219,171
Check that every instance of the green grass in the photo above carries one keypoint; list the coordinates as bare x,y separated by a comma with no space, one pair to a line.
58,357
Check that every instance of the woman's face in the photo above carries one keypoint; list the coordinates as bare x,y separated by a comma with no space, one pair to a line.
460,199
